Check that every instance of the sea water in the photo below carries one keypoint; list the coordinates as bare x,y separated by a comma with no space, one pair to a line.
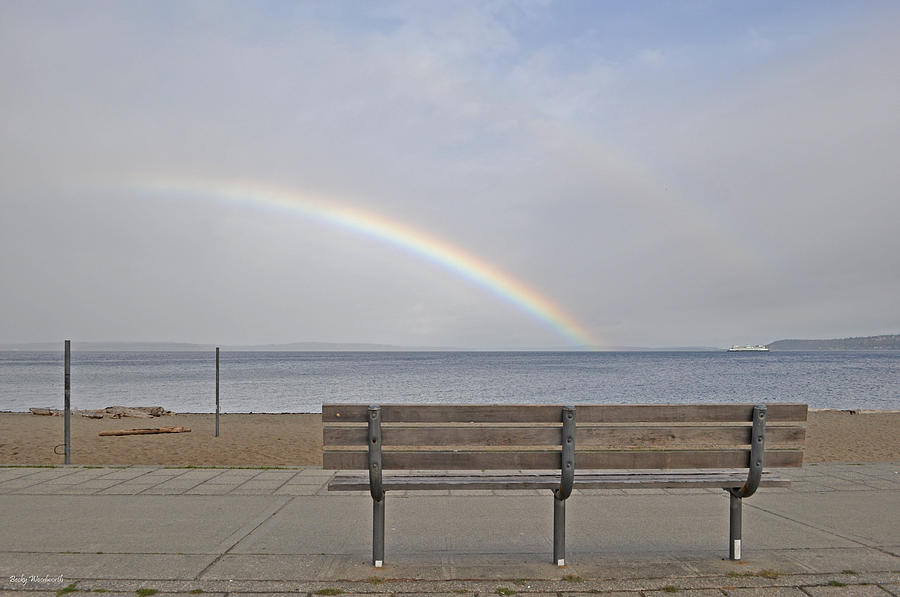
301,381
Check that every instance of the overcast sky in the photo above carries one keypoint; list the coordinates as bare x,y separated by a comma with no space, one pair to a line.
662,173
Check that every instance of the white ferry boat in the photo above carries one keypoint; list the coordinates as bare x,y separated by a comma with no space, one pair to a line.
749,348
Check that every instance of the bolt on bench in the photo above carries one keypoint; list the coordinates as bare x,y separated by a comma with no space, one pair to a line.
534,447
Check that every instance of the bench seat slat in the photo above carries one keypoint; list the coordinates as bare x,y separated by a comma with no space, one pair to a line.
584,480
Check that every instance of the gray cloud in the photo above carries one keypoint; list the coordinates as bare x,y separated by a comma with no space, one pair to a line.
656,201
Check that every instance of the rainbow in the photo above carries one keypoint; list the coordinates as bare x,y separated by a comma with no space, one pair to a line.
391,232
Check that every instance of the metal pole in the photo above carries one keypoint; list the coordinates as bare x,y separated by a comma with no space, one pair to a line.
567,481
217,391
378,532
734,528
559,531
67,383
375,485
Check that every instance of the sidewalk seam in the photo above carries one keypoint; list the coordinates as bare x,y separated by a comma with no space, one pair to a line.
829,532
200,574
38,471
125,480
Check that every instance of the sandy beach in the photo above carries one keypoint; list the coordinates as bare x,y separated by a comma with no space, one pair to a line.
296,439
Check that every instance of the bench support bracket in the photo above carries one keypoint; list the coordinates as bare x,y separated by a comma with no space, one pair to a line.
567,480
757,453
376,487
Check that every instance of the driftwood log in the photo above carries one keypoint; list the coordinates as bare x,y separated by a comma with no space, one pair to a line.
141,412
146,431
110,412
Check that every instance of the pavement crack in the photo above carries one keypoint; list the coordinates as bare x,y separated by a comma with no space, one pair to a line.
265,518
822,530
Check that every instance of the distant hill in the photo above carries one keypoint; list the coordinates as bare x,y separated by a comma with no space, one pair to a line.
110,346
187,347
886,342
336,347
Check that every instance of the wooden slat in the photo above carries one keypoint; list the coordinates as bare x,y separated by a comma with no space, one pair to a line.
445,460
683,413
667,459
447,436
472,460
688,437
785,437
717,479
536,413
613,437
445,413
784,458
449,481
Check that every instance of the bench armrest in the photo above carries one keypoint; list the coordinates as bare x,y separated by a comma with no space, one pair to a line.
376,486
757,454
567,464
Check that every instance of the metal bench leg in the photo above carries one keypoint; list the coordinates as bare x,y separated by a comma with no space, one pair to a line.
378,532
566,482
559,531
734,534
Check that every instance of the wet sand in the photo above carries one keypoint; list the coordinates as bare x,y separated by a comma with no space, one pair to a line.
296,439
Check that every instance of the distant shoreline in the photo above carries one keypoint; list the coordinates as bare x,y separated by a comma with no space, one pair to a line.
773,347
862,343
326,347
867,343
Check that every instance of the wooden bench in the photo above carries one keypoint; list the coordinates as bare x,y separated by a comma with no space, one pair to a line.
534,447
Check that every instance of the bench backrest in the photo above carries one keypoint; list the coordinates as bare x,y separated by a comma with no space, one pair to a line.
498,437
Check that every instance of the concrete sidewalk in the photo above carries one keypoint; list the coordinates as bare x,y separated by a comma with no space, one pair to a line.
256,531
